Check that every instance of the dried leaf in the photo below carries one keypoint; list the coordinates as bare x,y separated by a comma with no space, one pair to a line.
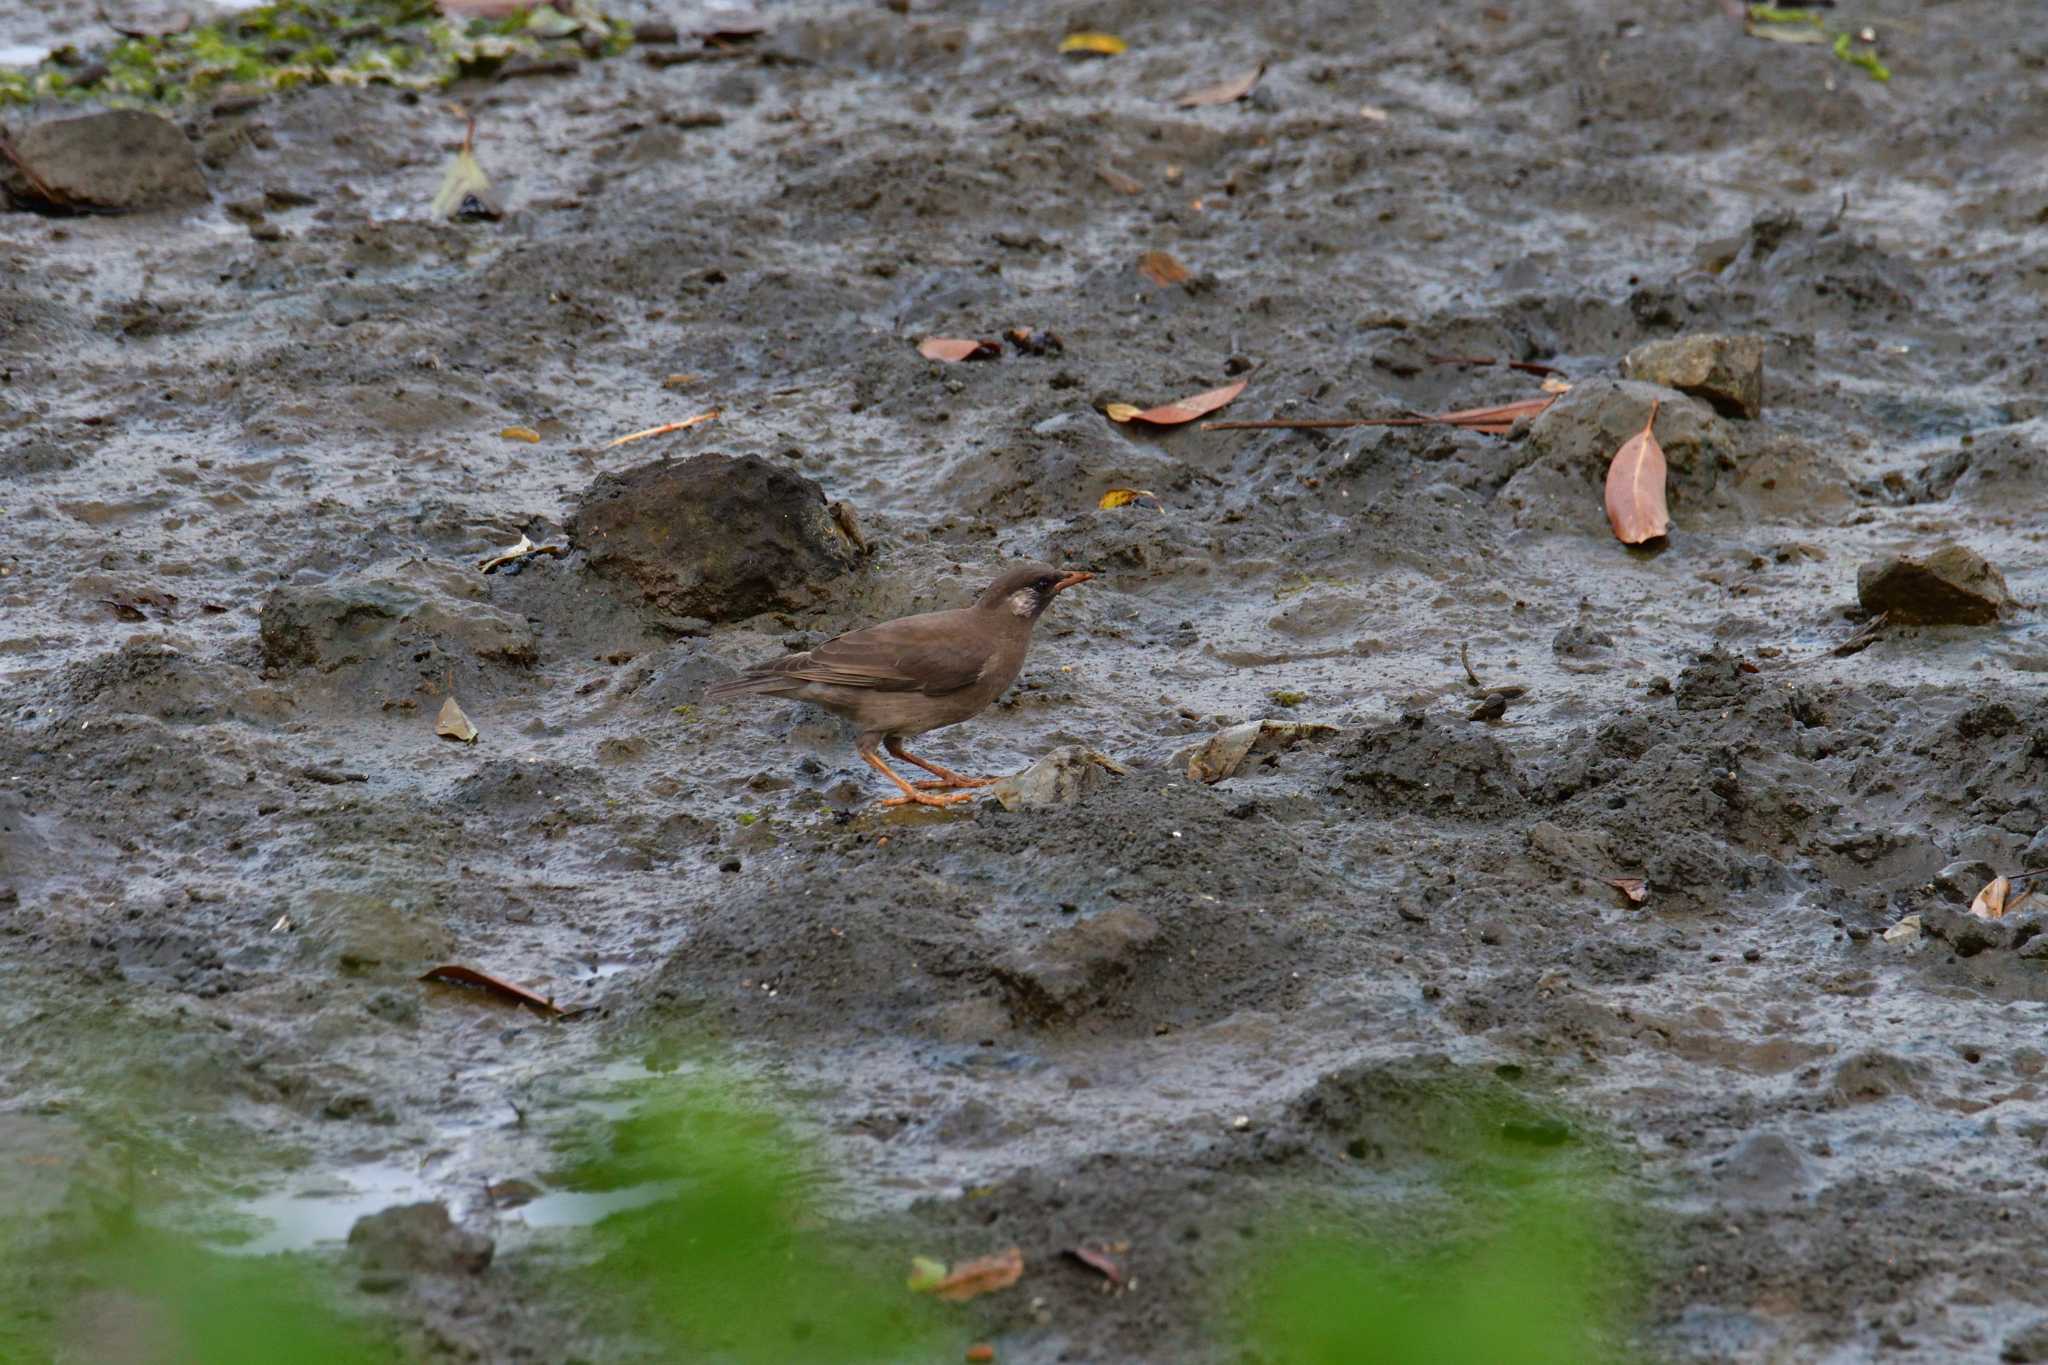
1635,487
1098,1261
1224,92
1173,414
452,724
521,434
1162,269
512,554
950,349
1224,752
680,381
1092,44
970,1279
1372,113
129,606
1990,903
465,190
1635,888
1117,180
452,975
1553,385
1122,497
980,1353
1035,341
664,429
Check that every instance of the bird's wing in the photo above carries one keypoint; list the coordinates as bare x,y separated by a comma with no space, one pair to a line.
930,654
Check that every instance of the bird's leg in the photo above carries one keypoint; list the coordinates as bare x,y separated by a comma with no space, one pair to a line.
911,795
948,779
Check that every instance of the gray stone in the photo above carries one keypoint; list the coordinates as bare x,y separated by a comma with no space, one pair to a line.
1726,371
1065,775
714,537
114,162
389,610
1952,586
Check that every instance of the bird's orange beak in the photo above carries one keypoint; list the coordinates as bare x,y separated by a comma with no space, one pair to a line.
1070,580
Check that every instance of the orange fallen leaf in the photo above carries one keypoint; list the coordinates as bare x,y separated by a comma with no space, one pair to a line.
980,1353
1173,414
971,1279
950,349
1635,487
521,434
1996,900
1162,269
1224,92
453,975
1635,888
1121,497
664,429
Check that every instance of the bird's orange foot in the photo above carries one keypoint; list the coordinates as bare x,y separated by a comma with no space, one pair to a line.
918,798
955,782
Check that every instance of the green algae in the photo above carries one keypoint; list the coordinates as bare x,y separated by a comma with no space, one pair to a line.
289,43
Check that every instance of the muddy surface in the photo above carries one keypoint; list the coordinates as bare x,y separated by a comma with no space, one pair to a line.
248,476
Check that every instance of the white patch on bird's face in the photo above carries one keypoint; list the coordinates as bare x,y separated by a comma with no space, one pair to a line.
1024,602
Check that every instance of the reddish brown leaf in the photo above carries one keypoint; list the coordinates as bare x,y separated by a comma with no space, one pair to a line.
1162,269
1635,487
1099,1261
452,975
1173,414
1635,888
950,349
980,1353
982,1275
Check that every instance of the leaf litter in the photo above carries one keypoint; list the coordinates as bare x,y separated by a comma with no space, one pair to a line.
453,974
465,192
967,1279
512,554
1635,486
1092,44
1124,497
1173,414
1162,269
1997,900
954,349
453,724
1223,92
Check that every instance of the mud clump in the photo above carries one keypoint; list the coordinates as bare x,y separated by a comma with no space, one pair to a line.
1726,371
390,613
1077,967
714,537
115,162
1954,586
1418,766
1571,443
418,1238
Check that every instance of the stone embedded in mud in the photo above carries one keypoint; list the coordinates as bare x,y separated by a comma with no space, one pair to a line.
1954,586
713,537
386,611
1563,461
419,1238
1067,774
104,163
1074,967
1726,371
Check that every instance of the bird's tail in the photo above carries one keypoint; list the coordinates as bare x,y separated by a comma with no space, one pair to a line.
751,685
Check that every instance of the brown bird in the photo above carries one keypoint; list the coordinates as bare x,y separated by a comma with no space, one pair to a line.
918,673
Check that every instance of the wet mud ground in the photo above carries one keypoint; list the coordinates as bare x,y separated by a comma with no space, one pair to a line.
1036,1027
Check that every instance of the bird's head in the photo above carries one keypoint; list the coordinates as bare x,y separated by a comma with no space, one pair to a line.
1026,590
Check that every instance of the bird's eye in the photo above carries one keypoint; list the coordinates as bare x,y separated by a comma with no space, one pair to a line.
1044,583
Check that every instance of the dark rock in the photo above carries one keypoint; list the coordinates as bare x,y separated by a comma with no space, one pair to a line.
418,1238
1075,966
2027,1345
1952,586
1726,371
713,536
2036,852
105,163
1415,764
387,611
1963,879
1581,641
1966,934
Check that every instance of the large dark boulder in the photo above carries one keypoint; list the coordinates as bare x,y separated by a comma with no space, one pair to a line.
715,537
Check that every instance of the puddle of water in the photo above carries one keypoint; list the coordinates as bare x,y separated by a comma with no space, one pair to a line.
578,1209
318,1216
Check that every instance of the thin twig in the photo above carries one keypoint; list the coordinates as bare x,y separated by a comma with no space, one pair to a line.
664,429
1525,366
1465,658
1287,424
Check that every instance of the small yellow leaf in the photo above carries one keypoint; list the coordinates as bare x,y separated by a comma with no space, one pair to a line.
1095,44
925,1274
1555,385
452,724
1121,412
1120,497
521,434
